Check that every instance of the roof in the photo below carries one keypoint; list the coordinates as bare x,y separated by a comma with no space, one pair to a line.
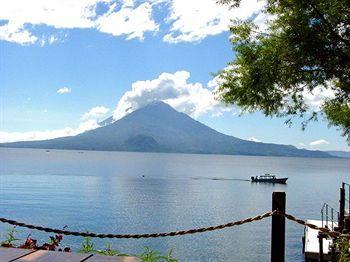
268,175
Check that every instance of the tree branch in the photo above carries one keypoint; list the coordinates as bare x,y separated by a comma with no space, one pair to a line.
329,25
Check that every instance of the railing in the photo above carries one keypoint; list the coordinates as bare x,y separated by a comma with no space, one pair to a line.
278,215
329,215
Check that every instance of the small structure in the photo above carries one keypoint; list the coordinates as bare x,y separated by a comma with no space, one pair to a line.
312,243
316,245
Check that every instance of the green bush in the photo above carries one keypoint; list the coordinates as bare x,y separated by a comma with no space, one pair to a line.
343,246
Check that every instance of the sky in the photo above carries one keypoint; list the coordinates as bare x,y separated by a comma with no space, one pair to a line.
66,65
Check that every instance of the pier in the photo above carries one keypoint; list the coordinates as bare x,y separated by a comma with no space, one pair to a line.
312,243
318,246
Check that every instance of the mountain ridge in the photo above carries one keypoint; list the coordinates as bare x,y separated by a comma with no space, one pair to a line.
158,127
339,153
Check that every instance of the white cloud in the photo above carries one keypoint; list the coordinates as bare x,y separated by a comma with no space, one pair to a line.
189,21
262,21
319,142
301,144
193,99
122,18
55,13
95,112
64,90
64,14
253,138
51,39
15,32
192,21
47,134
316,98
130,21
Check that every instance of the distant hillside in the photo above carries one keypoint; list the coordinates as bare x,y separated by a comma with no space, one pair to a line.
343,154
158,127
107,121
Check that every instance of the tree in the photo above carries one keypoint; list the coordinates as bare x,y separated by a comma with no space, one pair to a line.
305,47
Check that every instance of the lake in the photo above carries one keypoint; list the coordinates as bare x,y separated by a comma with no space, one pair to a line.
105,192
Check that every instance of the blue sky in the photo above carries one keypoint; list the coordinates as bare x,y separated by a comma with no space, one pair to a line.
65,66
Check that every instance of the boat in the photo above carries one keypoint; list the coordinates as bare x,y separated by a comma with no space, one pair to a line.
268,178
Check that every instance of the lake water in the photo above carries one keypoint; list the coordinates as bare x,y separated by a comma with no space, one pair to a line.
105,192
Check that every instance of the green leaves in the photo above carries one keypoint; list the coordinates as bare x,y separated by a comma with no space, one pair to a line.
343,246
148,255
10,238
306,45
338,114
87,246
31,243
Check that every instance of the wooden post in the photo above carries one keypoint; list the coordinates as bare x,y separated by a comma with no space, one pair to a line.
333,255
320,242
347,223
278,227
341,208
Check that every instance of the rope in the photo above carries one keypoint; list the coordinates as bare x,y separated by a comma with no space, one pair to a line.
152,235
304,223
177,233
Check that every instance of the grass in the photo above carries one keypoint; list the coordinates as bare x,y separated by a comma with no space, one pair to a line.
148,255
87,246
10,238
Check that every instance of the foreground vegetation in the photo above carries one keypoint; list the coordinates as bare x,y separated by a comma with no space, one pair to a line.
54,244
342,245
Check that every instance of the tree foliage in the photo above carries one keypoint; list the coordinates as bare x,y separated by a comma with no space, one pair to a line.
306,46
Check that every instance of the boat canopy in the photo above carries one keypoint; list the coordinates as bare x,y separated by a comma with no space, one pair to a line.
268,176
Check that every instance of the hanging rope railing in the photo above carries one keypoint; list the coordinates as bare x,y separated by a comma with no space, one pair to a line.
152,235
327,231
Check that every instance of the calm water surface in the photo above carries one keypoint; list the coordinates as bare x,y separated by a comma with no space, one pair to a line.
105,192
